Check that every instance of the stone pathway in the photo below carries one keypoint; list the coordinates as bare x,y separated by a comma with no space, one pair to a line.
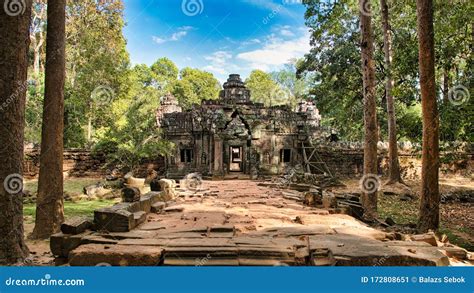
241,223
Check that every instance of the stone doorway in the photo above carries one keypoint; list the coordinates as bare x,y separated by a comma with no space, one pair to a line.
236,159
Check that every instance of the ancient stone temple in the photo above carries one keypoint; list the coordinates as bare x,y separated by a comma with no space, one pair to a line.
233,135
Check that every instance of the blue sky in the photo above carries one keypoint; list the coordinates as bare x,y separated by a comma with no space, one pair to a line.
219,36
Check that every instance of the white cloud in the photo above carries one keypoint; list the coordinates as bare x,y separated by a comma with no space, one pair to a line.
158,40
212,68
220,63
219,57
286,33
178,35
277,52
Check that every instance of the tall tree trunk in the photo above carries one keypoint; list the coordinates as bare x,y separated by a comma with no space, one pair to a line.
49,206
36,32
394,165
14,43
37,56
369,196
429,206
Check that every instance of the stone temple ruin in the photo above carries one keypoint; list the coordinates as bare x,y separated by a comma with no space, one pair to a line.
233,135
239,222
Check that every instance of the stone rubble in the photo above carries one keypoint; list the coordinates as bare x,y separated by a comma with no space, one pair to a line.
243,223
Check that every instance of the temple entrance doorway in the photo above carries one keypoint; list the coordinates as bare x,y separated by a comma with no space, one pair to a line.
236,159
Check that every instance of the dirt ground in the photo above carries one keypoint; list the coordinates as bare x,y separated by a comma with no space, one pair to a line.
457,218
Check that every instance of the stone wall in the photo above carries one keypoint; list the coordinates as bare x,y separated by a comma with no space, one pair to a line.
82,163
350,163
342,162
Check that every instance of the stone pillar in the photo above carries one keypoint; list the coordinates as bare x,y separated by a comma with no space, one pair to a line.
218,154
275,155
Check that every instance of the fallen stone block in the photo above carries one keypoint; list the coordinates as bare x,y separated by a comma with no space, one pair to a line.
155,185
429,238
76,226
115,255
454,252
113,220
139,218
61,244
158,207
133,181
168,188
130,194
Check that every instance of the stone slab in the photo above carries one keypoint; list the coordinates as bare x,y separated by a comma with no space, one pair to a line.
76,226
115,255
349,250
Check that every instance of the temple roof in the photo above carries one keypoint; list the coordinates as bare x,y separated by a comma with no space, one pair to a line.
234,81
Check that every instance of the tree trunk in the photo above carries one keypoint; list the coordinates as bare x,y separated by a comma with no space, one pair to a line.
14,44
369,196
49,206
429,206
37,56
394,165
89,128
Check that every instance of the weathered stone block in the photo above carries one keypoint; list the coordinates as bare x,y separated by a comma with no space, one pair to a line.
131,194
139,218
61,244
76,226
115,255
168,188
113,220
158,207
429,238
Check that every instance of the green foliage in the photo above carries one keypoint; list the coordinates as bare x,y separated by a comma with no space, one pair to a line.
262,87
195,86
409,122
134,135
34,109
97,68
334,61
164,73
297,87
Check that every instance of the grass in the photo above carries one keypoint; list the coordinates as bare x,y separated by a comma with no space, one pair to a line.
456,239
406,212
72,186
402,212
71,209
